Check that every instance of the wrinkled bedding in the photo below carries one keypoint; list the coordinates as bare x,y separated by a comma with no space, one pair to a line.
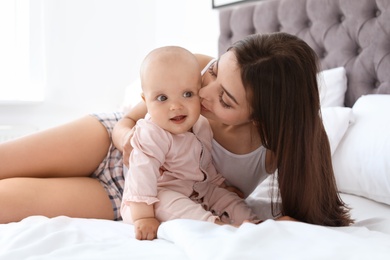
39,237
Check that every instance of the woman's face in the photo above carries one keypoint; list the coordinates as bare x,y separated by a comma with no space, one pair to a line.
223,95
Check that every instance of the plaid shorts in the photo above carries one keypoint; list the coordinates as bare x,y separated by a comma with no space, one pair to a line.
110,170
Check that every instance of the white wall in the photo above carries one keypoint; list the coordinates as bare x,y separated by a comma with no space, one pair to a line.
93,49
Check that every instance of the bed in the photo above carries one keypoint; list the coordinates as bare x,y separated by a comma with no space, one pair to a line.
352,39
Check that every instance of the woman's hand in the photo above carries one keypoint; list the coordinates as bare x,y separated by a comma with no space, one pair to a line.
123,130
146,228
236,191
284,218
232,189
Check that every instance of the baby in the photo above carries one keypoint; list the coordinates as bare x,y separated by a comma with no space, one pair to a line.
171,174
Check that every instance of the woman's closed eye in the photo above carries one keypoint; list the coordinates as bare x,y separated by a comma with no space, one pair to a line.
223,103
211,69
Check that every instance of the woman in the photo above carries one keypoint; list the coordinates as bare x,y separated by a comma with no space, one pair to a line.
262,101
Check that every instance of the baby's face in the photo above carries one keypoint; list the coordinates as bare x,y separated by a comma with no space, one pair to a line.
172,99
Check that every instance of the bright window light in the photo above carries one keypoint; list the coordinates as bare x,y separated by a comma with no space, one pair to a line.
21,51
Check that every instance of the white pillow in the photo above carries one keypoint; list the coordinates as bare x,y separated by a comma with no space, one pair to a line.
362,160
332,85
336,121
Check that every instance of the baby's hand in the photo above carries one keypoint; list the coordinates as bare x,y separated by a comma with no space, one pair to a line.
146,228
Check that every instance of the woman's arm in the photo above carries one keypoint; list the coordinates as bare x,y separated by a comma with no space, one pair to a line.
122,131
203,60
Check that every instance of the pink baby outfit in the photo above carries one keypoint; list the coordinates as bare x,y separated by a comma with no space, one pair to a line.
176,174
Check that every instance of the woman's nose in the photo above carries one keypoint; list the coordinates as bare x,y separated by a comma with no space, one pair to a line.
203,92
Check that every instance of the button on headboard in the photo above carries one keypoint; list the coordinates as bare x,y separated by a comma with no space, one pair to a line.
354,34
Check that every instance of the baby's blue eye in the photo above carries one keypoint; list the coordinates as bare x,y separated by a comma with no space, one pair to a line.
162,98
187,94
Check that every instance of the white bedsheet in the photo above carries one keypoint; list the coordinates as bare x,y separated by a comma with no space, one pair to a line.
38,237
72,238
277,240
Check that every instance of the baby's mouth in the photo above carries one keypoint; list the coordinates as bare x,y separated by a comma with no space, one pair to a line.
178,119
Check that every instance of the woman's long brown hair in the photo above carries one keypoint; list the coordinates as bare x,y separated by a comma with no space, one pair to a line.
279,72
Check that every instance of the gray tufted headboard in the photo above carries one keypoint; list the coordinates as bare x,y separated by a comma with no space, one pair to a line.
350,33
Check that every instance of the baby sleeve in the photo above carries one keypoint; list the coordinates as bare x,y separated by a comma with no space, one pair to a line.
150,146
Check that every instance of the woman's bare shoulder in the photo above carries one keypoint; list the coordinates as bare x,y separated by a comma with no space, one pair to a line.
203,59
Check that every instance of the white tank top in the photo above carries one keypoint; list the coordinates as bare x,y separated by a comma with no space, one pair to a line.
243,171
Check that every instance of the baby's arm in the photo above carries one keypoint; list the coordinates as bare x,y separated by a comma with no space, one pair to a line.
145,223
140,190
